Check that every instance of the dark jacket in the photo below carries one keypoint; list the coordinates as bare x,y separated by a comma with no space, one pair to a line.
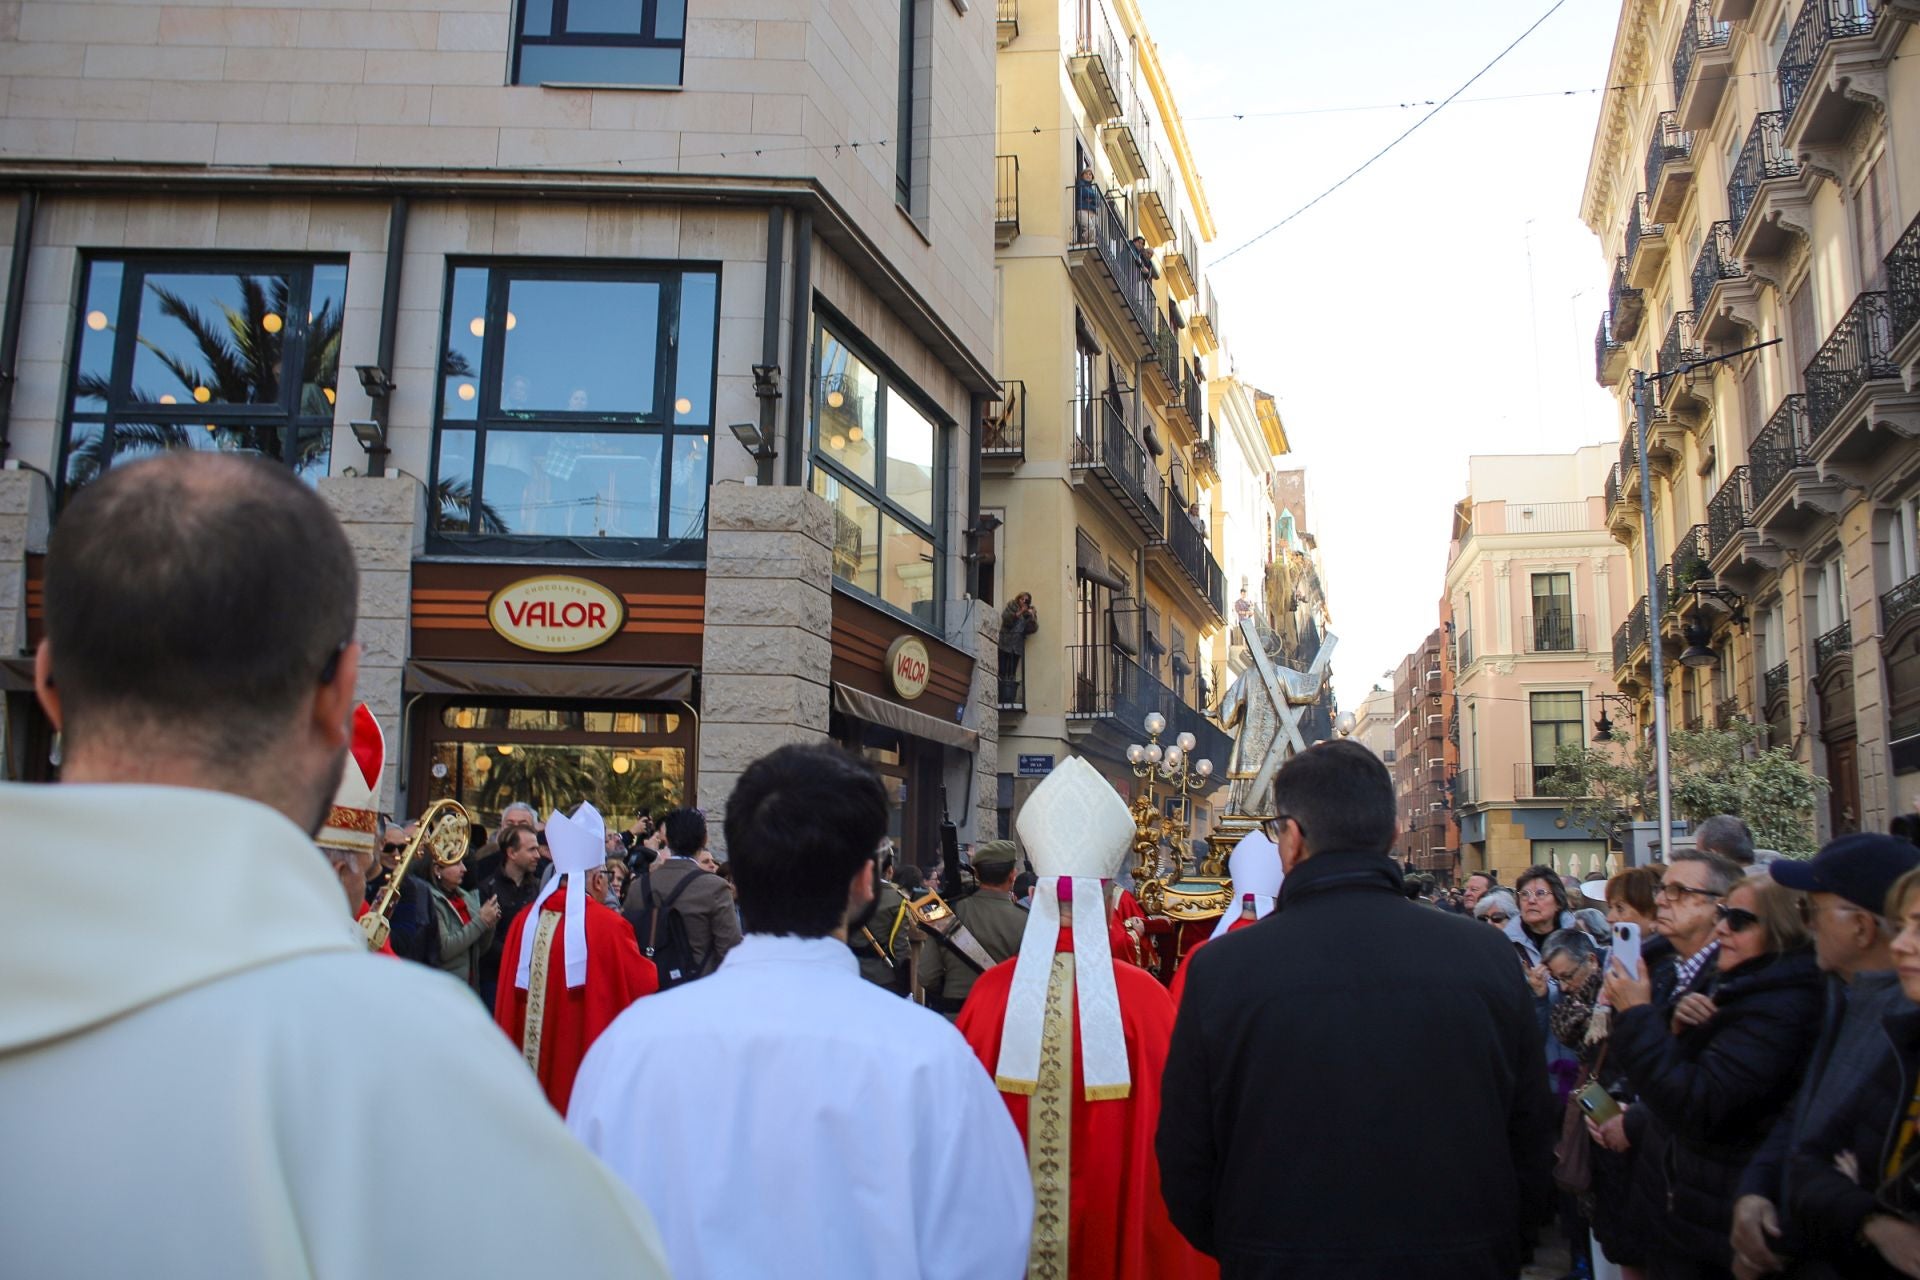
1354,1090
1708,1097
514,898
706,908
1829,1208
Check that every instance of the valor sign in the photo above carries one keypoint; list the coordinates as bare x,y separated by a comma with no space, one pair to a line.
556,614
908,666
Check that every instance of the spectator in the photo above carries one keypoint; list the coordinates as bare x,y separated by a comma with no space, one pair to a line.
1573,961
1497,908
1544,910
1087,203
704,905
884,944
513,888
518,813
1593,922
465,924
912,880
414,936
1478,884
1727,836
617,879
1144,256
1017,622
1846,885
1706,1092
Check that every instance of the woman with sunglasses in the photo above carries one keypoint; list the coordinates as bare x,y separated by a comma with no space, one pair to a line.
1706,1095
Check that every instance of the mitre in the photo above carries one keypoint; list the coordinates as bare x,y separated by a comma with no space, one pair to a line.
1075,824
353,823
579,846
1254,865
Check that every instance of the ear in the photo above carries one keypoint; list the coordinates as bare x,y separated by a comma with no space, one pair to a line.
1293,849
860,890
332,710
43,684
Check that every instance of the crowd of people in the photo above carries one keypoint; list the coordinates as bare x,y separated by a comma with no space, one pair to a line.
717,1069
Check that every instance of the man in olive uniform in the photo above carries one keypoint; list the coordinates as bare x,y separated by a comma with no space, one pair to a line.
990,915
888,936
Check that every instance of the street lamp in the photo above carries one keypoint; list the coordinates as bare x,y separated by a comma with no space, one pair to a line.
1344,726
1171,765
1603,727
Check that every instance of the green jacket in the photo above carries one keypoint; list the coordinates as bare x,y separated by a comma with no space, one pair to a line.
996,922
892,927
461,945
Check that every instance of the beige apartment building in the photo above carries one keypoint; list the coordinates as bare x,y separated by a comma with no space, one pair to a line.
1536,585
1758,182
686,316
1130,466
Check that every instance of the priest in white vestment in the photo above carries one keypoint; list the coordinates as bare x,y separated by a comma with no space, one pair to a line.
785,1117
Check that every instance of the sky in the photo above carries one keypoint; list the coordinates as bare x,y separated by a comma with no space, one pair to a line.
1442,304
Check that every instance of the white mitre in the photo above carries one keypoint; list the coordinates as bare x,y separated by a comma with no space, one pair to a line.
578,845
1254,865
1077,832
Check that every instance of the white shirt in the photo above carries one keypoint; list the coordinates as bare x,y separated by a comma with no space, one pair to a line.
786,1117
203,1072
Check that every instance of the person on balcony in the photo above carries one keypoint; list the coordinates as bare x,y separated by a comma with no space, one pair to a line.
1086,202
1017,622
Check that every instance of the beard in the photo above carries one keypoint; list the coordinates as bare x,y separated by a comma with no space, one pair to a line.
320,792
863,917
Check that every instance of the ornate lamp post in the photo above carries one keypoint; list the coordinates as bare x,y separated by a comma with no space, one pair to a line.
1173,768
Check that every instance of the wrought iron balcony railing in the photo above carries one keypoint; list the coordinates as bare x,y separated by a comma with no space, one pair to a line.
1606,350
1820,23
1099,53
1859,351
1716,262
1641,227
1166,352
1104,445
1664,596
1006,199
1013,681
1625,303
1629,458
1553,632
1780,447
1765,156
1465,648
1099,228
1670,144
1835,644
1699,32
1680,348
1727,513
1903,281
1613,486
1899,602
1631,634
1107,684
1003,432
1690,559
1774,683
1188,545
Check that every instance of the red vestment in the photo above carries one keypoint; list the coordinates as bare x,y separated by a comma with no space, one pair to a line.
1120,938
1119,1224
1179,987
574,1017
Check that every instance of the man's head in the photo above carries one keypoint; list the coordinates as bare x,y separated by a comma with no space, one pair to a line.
1727,836
1334,797
686,832
393,843
200,616
519,849
1846,885
804,825
1696,882
1477,885
993,864
352,866
518,814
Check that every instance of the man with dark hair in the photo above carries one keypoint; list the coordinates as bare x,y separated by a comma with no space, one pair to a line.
680,887
990,917
798,1057
514,887
225,1047
1727,836
1292,1032
884,944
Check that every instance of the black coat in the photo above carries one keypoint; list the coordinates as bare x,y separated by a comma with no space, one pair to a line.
1354,1090
1708,1097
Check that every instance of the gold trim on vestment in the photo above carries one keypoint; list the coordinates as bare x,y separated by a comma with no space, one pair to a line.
537,988
1050,1129
1108,1092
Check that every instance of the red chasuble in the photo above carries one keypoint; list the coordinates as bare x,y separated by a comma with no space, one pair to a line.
571,1019
1121,939
1179,987
1119,1228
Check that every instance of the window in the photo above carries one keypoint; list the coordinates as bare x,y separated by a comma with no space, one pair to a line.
1556,722
878,461
1902,525
910,139
1553,613
1829,595
194,354
600,42
576,411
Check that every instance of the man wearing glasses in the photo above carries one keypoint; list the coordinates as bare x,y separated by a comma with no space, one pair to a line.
1696,882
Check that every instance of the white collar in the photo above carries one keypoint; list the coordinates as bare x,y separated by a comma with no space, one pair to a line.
774,948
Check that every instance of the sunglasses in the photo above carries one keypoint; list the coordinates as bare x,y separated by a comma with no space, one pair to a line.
1737,919
1496,917
393,848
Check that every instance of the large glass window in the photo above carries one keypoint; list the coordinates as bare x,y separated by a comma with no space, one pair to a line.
1556,723
1553,613
630,42
576,411
878,460
220,355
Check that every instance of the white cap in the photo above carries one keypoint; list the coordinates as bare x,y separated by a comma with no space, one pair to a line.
1077,831
1254,865
578,845
353,824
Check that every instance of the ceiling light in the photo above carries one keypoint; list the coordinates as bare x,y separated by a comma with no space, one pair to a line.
683,406
466,391
477,327
96,320
835,399
201,395
271,322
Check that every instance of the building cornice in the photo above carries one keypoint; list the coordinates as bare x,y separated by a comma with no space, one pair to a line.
1173,127
1625,69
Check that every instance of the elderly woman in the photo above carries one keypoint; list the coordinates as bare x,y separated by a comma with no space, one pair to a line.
1707,1091
465,923
1497,908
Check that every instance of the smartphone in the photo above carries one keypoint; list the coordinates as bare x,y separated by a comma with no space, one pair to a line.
1626,948
1597,1103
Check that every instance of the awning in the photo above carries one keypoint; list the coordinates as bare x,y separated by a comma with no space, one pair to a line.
1090,566
551,680
16,675
891,715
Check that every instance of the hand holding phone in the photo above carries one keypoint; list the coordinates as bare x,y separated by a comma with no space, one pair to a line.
1626,948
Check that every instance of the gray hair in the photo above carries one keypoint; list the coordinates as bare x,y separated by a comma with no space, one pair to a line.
520,806
1593,920
1501,898
1723,872
1569,942
1727,836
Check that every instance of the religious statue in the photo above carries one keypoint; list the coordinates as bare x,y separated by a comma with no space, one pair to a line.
1263,708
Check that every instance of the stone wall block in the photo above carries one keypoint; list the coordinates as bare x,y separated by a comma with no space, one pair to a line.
786,556
770,603
768,699
758,651
730,748
769,509
385,593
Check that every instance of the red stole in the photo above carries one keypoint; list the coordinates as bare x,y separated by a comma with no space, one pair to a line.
1118,1225
571,1018
1179,988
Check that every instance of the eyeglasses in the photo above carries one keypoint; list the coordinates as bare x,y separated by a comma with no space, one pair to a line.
1535,895
1737,919
1674,892
1567,977
1275,825
1496,917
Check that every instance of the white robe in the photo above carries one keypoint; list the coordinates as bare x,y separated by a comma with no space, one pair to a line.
203,1072
786,1117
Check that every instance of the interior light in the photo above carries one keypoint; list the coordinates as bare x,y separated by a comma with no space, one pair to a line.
482,764
836,442
466,391
329,393
621,764
168,399
512,321
683,406
201,395
96,320
464,719
477,327
835,399
271,322
856,434
505,748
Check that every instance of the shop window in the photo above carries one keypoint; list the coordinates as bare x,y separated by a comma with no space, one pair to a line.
628,763
219,355
879,461
576,412
614,42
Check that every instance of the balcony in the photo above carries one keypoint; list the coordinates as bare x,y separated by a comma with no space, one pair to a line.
1832,69
1903,293
1095,65
1100,252
1789,494
1738,553
1701,66
1852,365
1626,304
1724,295
1552,633
1669,168
1690,564
1108,454
1466,790
1184,404
1646,245
1629,640
1609,355
1766,207
1773,684
1680,349
1832,647
1156,202
1530,782
1007,29
1185,546
1006,200
1003,432
1727,515
1013,681
1111,695
1464,647
1128,139
1163,370
1205,325
1900,603
1181,265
